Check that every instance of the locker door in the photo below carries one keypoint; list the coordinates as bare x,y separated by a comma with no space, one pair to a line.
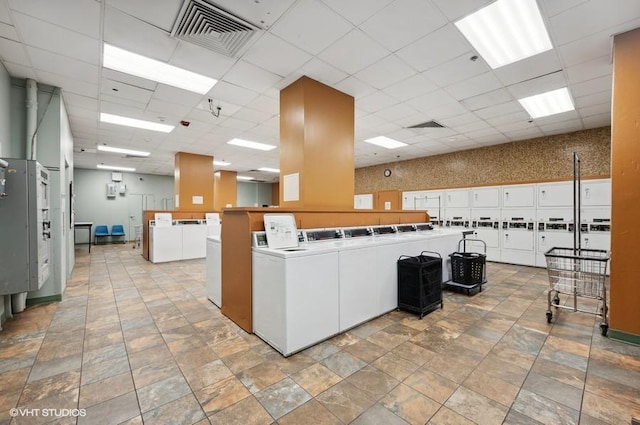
486,197
518,196
457,198
555,194
596,192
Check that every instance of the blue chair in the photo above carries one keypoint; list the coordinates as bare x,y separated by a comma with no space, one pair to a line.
101,232
118,230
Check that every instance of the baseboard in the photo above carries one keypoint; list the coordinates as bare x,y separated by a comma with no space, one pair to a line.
624,337
44,300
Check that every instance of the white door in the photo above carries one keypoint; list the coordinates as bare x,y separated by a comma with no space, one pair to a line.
555,194
457,198
521,240
518,196
596,192
485,197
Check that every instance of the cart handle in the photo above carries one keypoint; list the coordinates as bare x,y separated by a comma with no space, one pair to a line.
432,252
465,240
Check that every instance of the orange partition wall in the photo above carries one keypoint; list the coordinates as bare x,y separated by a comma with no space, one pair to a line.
193,181
237,225
388,198
316,146
225,189
625,188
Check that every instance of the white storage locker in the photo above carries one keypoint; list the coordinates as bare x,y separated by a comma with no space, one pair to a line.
518,196
457,198
485,197
558,194
596,192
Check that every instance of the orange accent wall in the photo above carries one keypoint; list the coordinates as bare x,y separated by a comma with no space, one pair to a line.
625,184
317,142
275,193
193,176
394,197
225,189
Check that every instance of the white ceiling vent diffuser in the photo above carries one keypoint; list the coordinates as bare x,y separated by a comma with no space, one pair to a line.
202,23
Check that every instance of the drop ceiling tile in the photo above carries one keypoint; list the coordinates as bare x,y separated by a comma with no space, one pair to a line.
127,110
455,70
459,120
354,87
19,71
357,11
588,112
562,127
237,124
226,92
593,99
471,128
67,84
14,52
134,35
553,7
45,36
159,13
595,85
119,90
403,22
435,49
473,86
83,102
58,64
538,85
499,109
586,49
265,104
8,32
589,70
595,121
429,101
385,72
411,87
132,103
82,113
157,106
512,126
251,115
446,110
200,60
340,54
321,71
305,26
524,134
565,116
590,17
251,77
495,139
130,80
506,119
82,17
276,55
397,112
177,96
485,100
539,65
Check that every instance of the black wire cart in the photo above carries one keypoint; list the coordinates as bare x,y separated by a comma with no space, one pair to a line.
468,269
579,273
420,282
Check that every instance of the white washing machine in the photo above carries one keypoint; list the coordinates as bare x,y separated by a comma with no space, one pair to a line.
517,238
295,295
214,270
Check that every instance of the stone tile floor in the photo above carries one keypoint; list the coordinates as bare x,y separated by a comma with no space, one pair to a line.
133,342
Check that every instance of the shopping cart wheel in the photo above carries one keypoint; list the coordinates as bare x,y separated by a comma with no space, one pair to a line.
556,300
604,327
549,316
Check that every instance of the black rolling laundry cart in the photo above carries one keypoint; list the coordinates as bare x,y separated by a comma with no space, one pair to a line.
468,268
420,282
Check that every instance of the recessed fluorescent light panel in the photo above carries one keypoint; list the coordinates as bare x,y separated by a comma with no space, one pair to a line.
244,178
114,168
506,31
122,150
252,145
549,103
132,122
269,170
221,163
151,69
385,142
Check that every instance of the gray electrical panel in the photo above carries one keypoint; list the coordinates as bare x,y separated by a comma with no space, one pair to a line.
25,227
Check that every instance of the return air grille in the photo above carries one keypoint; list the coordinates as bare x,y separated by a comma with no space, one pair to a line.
428,124
200,22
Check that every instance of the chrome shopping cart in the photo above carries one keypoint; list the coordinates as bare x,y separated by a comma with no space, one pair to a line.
578,273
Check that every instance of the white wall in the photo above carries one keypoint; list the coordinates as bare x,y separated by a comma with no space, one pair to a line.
144,191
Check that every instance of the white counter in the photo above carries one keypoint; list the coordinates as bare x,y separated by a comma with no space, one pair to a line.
303,296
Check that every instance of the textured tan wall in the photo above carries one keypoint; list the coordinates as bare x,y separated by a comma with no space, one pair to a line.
540,159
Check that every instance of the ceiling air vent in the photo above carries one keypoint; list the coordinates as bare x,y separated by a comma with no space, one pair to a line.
428,124
202,23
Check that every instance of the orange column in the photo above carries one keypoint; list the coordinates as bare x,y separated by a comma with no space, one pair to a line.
316,146
193,180
625,188
225,189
